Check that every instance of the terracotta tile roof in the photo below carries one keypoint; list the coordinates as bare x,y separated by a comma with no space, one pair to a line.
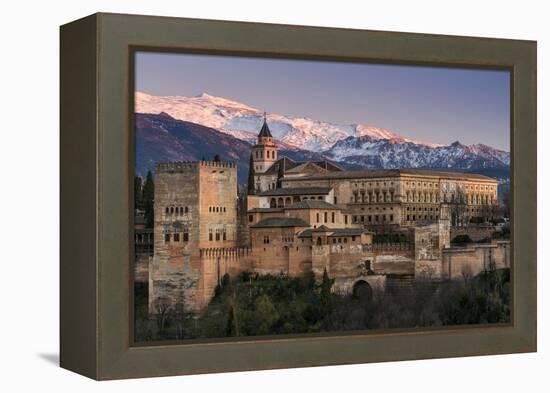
281,222
312,204
296,191
374,173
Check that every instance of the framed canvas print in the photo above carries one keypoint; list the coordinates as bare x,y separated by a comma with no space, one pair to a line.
240,196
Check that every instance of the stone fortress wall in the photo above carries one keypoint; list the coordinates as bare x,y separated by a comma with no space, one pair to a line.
312,218
197,240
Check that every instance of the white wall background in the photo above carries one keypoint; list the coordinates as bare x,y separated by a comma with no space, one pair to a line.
29,195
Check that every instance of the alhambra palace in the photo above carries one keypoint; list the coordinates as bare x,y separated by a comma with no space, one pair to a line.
300,217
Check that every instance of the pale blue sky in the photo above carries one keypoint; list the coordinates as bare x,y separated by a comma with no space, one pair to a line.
434,104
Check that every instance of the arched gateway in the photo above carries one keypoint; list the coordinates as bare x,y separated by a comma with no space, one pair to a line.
362,291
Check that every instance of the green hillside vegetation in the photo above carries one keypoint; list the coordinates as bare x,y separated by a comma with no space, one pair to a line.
254,305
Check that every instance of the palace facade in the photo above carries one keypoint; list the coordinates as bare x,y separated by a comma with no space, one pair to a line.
310,217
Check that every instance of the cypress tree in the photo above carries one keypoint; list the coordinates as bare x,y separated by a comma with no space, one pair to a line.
251,175
230,328
138,200
148,198
280,173
217,158
325,295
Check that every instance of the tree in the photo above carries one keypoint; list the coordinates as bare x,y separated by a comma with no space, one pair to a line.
230,330
162,307
505,202
217,158
251,176
148,200
265,314
325,294
280,173
138,198
458,207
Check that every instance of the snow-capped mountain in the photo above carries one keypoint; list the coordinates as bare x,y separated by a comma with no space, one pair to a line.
352,146
161,138
243,121
388,153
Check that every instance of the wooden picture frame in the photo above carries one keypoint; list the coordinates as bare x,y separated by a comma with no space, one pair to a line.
96,195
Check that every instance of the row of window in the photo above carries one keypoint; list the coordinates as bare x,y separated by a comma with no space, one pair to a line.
378,208
471,187
176,237
216,209
419,184
176,210
422,208
268,154
373,218
282,202
325,217
220,234
470,199
414,216
371,197
376,184
287,239
422,197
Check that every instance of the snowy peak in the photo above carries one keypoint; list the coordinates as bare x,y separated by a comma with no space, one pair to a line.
390,153
242,121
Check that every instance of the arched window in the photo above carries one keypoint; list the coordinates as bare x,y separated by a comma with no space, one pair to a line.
280,202
186,209
319,241
272,203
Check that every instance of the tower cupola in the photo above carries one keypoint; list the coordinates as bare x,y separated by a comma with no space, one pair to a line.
264,152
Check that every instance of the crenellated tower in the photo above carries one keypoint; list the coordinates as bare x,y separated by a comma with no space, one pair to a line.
264,153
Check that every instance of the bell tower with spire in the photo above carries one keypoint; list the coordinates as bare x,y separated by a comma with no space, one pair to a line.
264,152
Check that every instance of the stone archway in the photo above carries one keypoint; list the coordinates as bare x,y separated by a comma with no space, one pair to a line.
362,291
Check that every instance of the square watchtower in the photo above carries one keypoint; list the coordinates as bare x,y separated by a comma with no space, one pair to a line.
195,207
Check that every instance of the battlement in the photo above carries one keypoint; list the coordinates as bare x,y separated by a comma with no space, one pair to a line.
224,252
181,166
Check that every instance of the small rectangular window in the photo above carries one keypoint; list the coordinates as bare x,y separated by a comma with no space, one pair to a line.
176,237
167,237
250,218
185,236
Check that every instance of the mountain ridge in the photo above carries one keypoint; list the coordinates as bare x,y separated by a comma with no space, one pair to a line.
237,119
